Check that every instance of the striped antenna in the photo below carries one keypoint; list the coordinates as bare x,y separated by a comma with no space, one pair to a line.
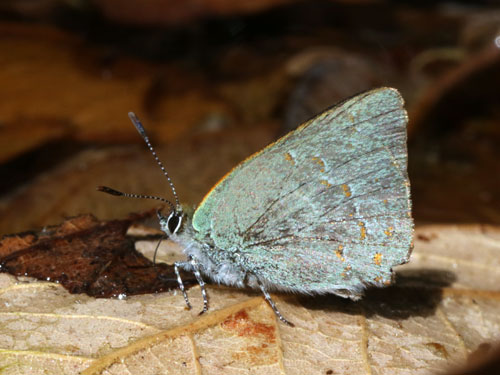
144,136
111,191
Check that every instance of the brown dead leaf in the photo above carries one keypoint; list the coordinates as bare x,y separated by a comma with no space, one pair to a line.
451,84
45,76
15,142
55,85
87,256
320,70
443,307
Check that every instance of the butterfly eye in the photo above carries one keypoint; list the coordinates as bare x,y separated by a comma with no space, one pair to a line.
174,222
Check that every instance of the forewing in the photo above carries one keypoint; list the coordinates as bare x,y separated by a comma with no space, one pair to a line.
325,208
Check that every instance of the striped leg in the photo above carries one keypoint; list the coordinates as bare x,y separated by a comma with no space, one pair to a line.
273,306
179,280
197,274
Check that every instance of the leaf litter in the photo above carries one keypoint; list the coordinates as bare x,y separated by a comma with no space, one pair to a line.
440,310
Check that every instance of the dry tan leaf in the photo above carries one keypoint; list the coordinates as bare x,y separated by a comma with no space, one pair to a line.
15,142
443,307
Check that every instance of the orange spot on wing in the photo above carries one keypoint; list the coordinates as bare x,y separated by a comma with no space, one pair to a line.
363,230
347,191
326,183
339,252
344,274
388,232
320,162
289,158
377,259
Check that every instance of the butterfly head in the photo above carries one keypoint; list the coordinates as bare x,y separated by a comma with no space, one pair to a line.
172,223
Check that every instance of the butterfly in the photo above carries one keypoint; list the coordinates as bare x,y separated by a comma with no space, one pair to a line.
324,209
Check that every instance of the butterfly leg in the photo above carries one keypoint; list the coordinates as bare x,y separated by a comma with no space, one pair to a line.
268,298
179,280
156,251
197,274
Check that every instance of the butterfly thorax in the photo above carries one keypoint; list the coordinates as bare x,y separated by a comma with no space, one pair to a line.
216,264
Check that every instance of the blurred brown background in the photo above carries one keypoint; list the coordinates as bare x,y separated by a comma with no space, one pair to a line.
216,80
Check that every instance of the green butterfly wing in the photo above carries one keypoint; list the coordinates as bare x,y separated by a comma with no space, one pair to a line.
326,208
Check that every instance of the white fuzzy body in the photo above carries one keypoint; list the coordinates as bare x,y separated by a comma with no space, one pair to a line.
227,268
214,264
